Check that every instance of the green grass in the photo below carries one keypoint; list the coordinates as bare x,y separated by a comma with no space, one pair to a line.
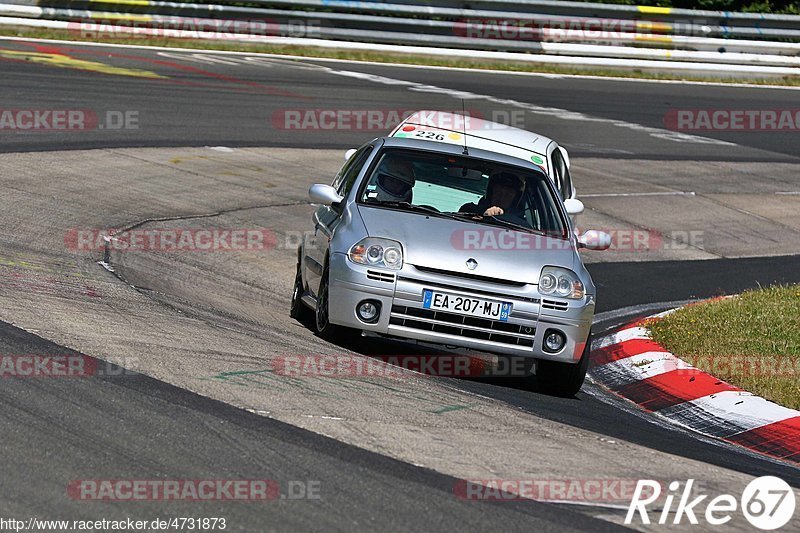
394,58
751,341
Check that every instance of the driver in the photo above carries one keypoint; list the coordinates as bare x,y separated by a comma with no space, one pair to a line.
503,195
395,180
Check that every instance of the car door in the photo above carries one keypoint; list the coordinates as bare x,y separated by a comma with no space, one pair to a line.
325,218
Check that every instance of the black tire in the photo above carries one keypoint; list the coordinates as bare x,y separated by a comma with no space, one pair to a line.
563,379
299,311
326,330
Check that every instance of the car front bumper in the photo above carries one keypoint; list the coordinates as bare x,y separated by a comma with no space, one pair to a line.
400,293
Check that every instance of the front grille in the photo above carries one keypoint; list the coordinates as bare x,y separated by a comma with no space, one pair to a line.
461,325
446,286
473,277
553,304
380,276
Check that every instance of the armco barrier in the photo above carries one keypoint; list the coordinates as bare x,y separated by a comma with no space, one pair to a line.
571,33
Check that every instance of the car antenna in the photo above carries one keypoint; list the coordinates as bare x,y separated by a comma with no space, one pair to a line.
464,127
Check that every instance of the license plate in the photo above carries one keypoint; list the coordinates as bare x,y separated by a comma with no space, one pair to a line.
465,305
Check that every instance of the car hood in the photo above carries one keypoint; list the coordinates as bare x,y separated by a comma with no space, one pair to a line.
446,244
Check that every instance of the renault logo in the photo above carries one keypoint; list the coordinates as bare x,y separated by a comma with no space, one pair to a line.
472,264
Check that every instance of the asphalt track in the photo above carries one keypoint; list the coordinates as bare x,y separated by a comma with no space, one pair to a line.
139,427
231,101
147,429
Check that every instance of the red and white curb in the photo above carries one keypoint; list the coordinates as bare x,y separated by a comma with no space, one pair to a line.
631,365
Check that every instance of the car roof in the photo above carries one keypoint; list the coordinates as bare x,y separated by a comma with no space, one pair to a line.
458,150
450,128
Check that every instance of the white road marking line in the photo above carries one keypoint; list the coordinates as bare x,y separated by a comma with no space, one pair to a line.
639,309
787,193
615,194
593,148
622,336
294,58
563,114
662,314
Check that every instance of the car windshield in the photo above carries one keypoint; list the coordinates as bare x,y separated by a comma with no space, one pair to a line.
466,188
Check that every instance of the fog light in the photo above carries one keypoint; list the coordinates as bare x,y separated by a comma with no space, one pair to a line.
553,341
369,311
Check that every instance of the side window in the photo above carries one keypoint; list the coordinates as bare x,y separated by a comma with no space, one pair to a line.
567,183
344,180
545,217
561,175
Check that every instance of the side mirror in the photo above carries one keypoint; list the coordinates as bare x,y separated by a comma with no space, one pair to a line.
594,240
324,194
348,154
574,206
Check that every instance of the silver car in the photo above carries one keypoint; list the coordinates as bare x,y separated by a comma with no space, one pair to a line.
456,246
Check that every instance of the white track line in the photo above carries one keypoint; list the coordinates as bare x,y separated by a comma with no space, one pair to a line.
563,114
628,334
410,65
625,194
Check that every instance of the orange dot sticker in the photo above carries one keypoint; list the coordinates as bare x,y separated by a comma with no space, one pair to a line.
409,128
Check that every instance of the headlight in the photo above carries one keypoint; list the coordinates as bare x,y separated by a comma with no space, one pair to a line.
556,281
376,252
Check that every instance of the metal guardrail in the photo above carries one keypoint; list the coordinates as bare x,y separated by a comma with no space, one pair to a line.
563,29
648,20
615,10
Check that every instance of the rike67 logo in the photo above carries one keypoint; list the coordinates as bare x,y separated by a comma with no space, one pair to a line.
768,503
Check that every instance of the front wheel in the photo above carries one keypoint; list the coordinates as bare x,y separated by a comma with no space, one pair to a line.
298,310
326,330
564,379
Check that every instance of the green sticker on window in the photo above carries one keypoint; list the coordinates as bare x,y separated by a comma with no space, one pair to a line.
536,159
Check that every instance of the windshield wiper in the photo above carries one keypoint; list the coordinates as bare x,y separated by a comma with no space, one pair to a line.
494,221
412,207
404,205
508,224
